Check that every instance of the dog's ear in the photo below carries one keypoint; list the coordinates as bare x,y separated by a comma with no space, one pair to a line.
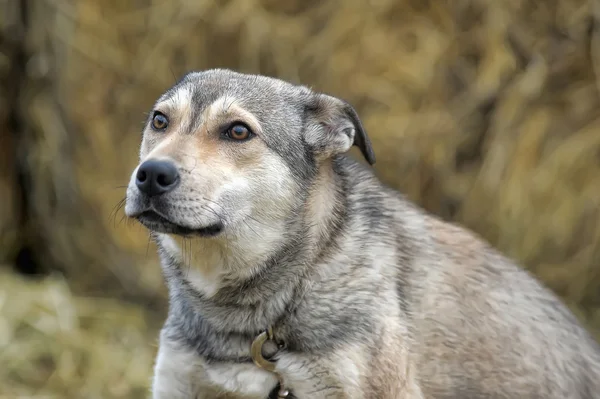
333,127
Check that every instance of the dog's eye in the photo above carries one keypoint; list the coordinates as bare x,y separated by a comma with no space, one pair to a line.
238,132
159,121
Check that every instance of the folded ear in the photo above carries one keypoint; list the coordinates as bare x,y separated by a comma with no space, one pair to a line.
333,127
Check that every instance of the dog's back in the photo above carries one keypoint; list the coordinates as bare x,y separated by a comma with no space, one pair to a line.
484,328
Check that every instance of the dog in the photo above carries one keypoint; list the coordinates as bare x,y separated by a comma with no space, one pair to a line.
294,272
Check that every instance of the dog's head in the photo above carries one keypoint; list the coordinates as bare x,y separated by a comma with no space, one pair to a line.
222,148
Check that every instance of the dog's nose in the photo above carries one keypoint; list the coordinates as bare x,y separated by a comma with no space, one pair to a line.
156,177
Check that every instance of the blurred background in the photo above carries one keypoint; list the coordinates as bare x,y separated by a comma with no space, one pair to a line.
483,112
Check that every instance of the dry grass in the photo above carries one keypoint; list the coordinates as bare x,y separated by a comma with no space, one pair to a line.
57,345
484,112
9,203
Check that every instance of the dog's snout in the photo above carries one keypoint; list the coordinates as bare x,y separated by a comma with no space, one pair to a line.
156,177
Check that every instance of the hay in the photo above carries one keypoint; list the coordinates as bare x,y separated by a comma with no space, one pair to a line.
484,112
9,209
9,204
57,345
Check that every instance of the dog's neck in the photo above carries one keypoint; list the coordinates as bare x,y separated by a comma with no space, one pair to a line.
230,278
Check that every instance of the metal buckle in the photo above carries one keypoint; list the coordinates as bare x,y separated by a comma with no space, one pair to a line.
256,350
260,361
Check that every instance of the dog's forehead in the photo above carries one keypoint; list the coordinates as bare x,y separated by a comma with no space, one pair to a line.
256,93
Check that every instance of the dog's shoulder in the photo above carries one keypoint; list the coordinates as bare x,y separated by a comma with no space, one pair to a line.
453,238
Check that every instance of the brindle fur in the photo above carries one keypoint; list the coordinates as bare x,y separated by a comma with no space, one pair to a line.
373,297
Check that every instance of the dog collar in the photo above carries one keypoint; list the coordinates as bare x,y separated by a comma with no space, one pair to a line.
257,357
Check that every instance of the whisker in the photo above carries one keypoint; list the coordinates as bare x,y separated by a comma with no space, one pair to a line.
113,214
256,220
124,218
195,164
189,255
208,208
250,227
148,244
183,253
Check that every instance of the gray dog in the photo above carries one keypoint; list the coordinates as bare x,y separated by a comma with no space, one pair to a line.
294,272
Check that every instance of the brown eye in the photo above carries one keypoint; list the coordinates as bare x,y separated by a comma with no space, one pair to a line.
159,121
239,132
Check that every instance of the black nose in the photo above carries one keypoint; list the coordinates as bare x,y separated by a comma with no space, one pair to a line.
156,177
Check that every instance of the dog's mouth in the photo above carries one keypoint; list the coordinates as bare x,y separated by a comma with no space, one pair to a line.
160,224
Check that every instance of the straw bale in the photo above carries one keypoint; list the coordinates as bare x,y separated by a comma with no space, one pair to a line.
9,205
485,112
54,344
9,209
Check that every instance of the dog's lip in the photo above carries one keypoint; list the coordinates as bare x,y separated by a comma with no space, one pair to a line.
156,222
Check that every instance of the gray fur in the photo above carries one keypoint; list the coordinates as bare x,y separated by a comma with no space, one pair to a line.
372,297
